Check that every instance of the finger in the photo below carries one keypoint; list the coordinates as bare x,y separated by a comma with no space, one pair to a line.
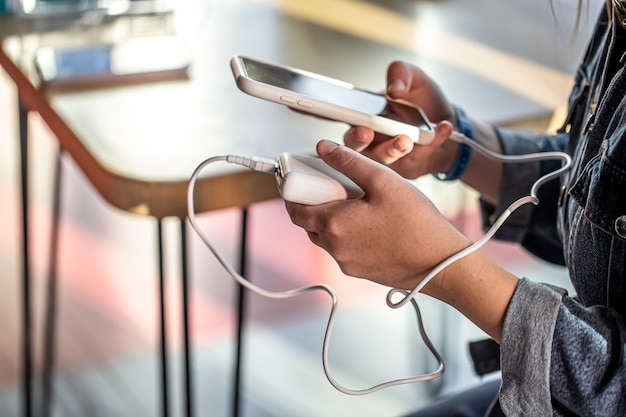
443,130
359,168
424,158
398,79
298,214
359,138
311,219
389,151
403,78
314,238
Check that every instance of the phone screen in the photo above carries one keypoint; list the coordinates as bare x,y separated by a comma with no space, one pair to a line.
332,91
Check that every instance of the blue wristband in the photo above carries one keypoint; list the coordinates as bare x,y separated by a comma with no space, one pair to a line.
464,153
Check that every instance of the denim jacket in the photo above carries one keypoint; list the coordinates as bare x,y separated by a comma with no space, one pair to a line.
564,355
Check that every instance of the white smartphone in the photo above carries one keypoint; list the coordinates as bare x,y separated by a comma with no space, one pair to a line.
139,59
329,98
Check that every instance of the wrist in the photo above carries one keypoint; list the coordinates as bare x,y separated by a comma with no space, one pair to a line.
463,152
478,288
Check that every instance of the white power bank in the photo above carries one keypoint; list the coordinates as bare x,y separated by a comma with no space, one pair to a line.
308,180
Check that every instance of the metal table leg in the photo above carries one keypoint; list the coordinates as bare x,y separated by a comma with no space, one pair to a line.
163,329
27,350
51,296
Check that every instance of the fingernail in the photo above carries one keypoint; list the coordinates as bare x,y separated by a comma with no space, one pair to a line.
326,146
402,144
396,85
399,146
443,129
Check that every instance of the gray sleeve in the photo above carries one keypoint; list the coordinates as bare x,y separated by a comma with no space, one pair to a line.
526,349
559,357
587,372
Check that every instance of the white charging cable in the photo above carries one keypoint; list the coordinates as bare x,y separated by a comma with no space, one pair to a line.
531,198
269,166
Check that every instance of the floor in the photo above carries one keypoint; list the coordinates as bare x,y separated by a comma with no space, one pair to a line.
106,359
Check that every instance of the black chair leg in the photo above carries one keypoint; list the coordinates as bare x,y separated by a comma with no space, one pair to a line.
188,388
241,301
51,296
185,305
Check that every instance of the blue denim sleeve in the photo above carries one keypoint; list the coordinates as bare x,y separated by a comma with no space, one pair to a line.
534,227
560,358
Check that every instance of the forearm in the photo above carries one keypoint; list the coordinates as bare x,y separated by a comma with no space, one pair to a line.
478,288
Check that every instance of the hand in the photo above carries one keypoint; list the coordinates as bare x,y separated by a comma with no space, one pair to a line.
393,235
408,83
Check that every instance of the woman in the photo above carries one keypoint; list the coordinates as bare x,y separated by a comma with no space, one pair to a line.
560,355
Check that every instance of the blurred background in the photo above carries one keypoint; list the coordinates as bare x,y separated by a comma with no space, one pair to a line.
498,59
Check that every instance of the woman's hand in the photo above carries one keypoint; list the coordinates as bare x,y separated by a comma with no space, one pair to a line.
393,235
408,83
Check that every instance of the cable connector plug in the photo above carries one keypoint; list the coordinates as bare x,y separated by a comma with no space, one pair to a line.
255,163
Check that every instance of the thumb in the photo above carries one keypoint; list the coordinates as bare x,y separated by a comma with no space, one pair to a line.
359,168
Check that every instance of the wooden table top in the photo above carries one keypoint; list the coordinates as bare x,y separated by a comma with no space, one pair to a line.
138,144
